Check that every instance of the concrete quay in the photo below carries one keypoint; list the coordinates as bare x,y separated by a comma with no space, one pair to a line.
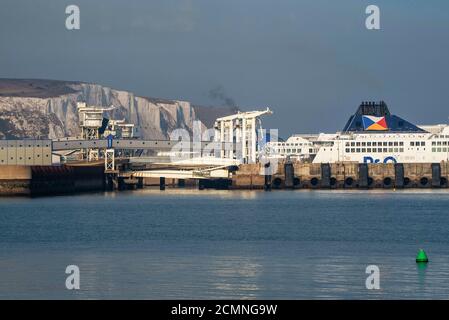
349,175
83,177
50,180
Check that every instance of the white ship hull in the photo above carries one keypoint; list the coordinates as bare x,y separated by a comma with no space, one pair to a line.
385,148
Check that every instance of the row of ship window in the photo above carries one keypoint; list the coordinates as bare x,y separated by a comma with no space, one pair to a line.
440,143
395,144
287,144
373,150
379,144
281,151
375,144
440,149
358,150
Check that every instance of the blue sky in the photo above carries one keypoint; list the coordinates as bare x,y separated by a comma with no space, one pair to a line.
311,61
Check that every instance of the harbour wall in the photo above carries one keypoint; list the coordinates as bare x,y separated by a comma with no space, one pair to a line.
15,180
63,179
50,180
348,175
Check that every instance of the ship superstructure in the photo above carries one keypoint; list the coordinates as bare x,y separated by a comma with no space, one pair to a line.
372,135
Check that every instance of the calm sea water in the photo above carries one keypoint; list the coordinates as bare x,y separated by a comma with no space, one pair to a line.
180,244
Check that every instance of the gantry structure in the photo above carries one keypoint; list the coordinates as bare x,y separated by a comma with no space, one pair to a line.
241,131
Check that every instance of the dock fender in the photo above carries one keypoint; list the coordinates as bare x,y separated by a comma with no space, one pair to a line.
349,181
277,182
424,181
314,181
296,181
387,182
407,181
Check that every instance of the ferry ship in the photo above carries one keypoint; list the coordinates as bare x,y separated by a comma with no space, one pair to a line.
371,135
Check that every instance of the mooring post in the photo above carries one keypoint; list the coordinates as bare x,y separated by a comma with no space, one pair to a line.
140,183
325,175
267,173
109,182
399,175
115,182
363,175
289,174
162,183
436,175
121,183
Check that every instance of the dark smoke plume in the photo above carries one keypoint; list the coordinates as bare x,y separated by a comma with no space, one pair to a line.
218,93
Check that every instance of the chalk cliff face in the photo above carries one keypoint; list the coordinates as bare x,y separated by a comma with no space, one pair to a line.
47,108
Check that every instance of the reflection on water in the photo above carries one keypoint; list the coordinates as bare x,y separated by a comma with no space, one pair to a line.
219,244
233,274
421,268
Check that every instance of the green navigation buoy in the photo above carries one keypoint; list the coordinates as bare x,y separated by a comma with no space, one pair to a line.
421,256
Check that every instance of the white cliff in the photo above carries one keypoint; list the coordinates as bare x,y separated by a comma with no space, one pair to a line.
46,108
